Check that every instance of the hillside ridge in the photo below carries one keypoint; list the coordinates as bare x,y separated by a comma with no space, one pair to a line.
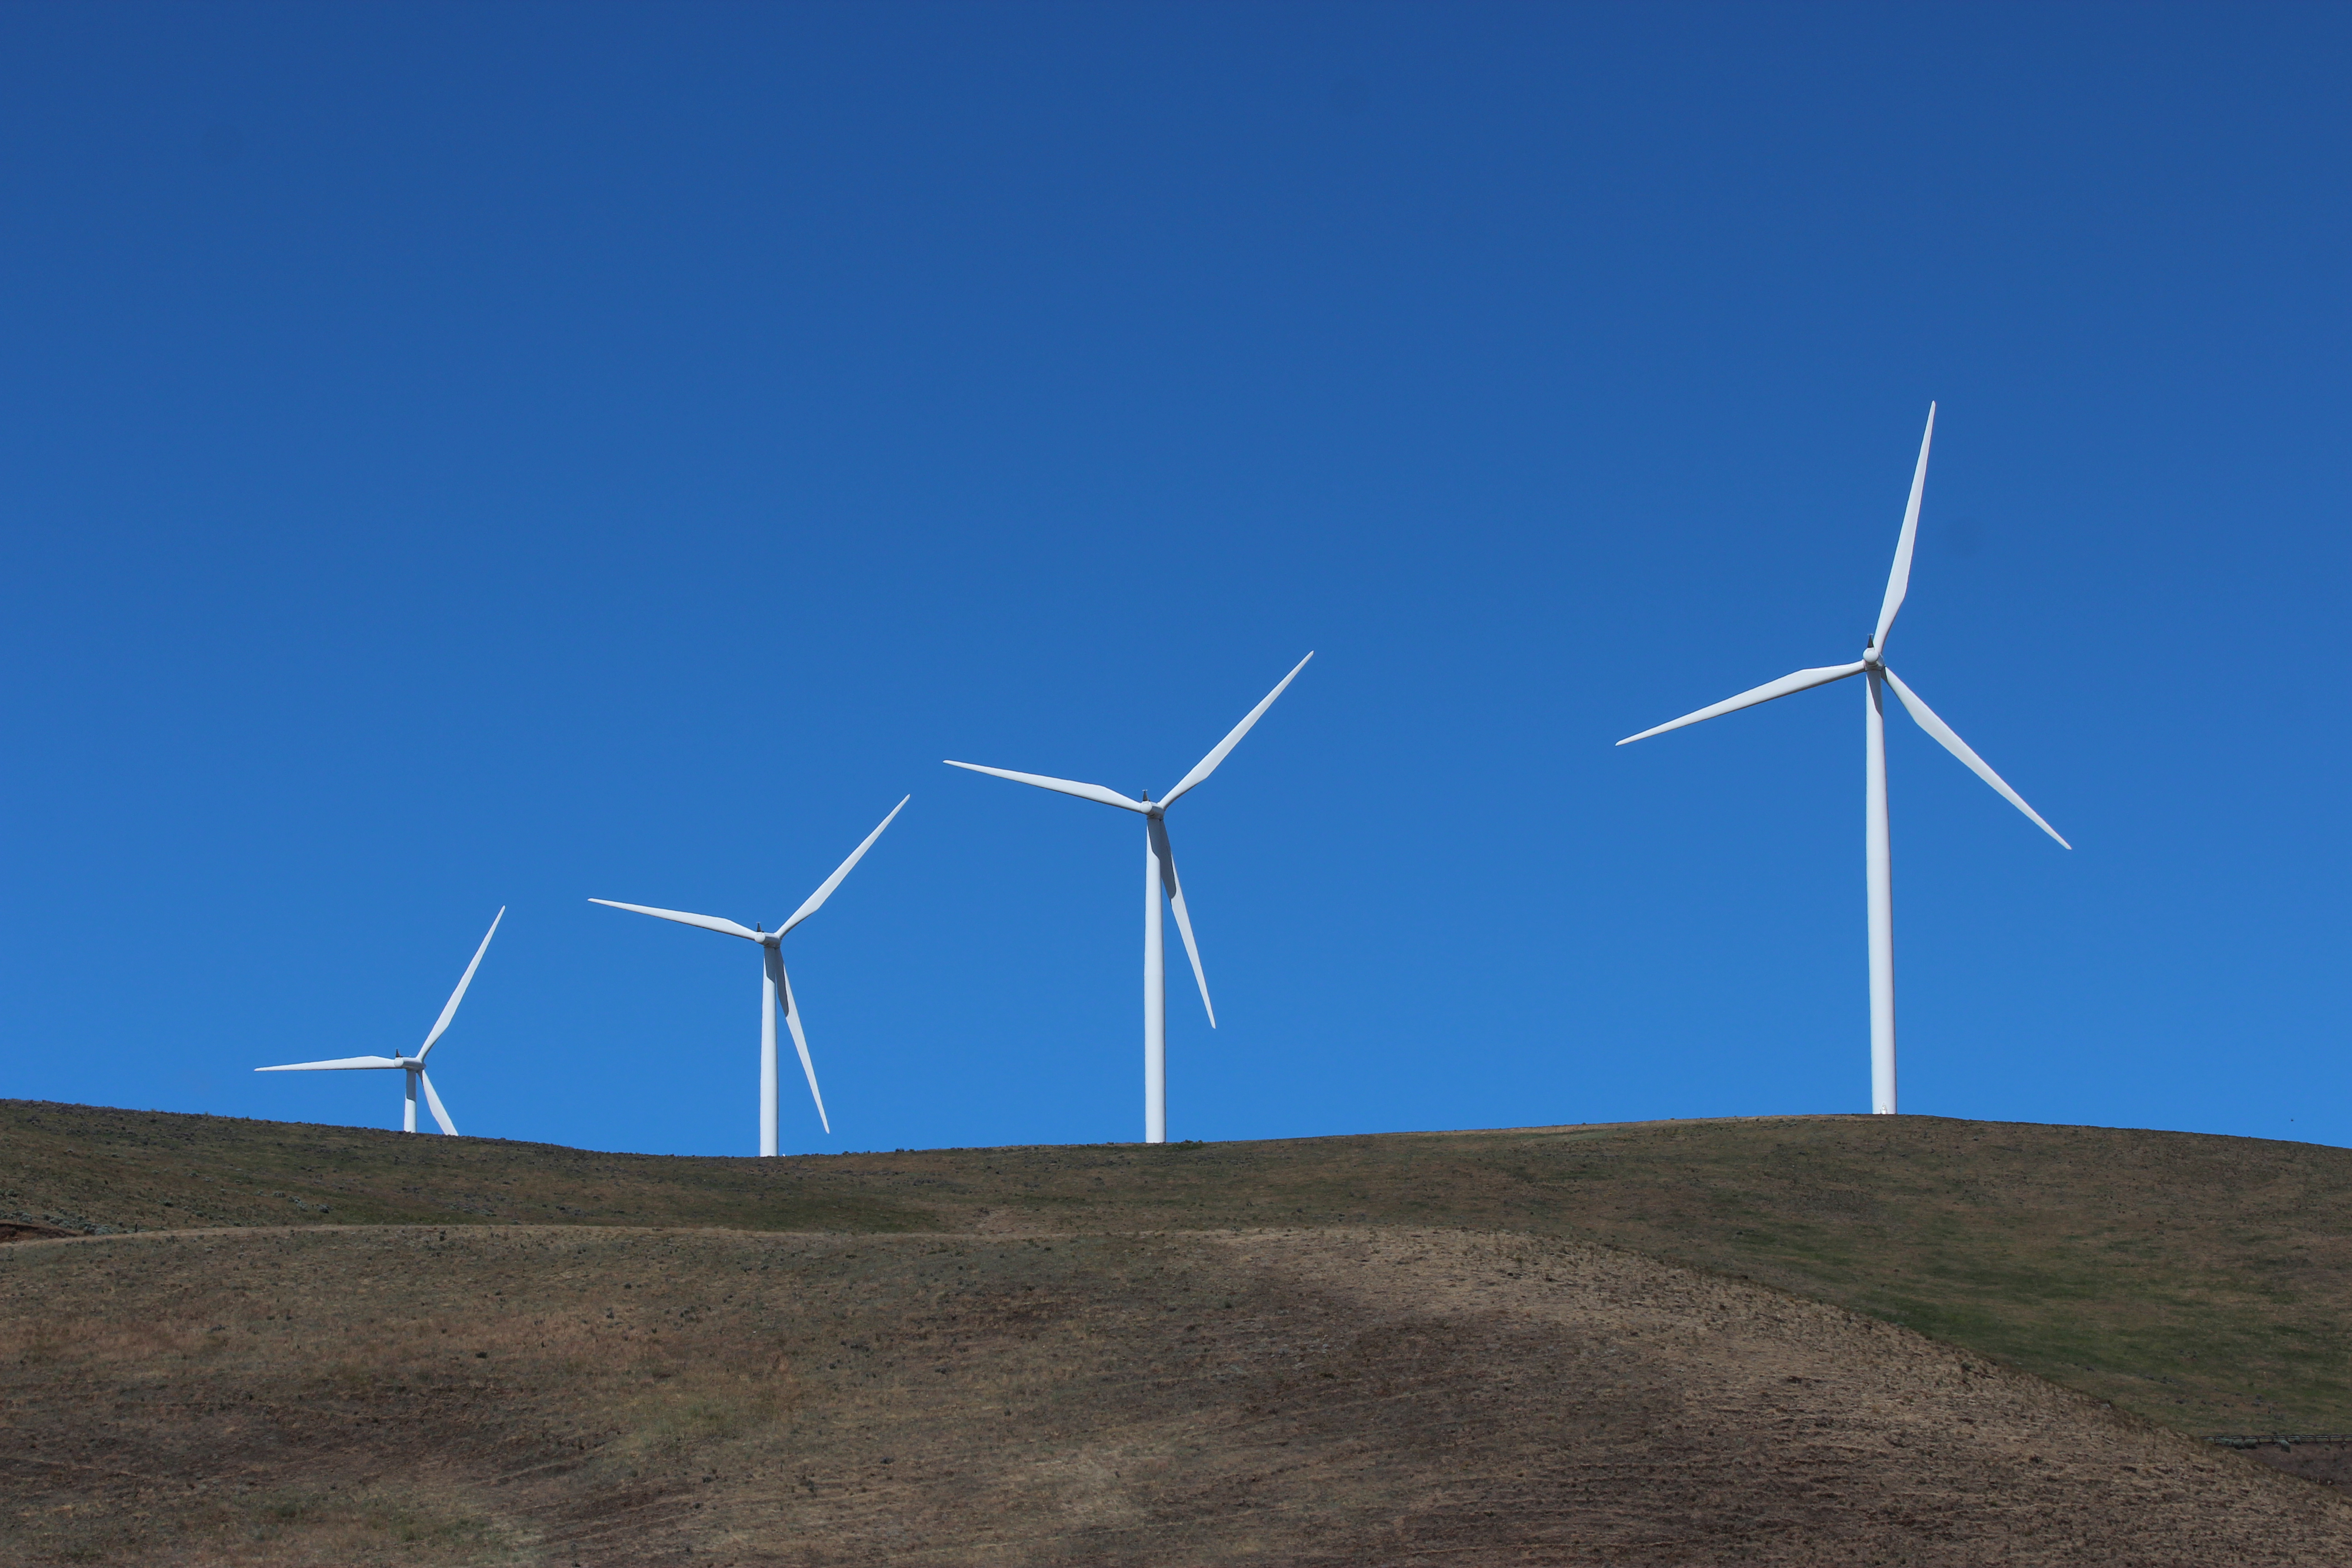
1766,1340
2198,1279
1337,1396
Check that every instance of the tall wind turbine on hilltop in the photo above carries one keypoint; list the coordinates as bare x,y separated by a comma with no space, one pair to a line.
1878,858
775,986
1158,880
413,1066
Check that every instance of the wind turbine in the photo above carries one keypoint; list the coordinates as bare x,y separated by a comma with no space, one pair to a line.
1159,877
1877,855
412,1066
774,983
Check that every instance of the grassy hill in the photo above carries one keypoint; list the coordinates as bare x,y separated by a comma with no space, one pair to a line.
2205,1282
264,1344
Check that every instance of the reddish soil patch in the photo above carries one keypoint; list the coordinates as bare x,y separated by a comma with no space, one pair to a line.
2328,1461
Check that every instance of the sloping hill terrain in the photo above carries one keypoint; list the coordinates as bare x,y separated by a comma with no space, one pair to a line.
2203,1281
1348,1350
1342,1397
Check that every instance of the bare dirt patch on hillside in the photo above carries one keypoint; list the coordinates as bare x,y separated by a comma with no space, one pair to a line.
611,1397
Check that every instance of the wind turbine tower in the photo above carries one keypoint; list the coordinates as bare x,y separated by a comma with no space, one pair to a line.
1877,855
775,986
1159,881
412,1066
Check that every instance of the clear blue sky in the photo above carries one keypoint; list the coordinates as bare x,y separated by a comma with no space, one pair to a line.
476,454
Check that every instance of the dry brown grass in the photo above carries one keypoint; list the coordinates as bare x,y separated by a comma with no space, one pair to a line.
1187,1353
1349,1395
2204,1282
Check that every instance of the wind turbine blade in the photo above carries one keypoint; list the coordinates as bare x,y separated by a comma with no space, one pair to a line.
1898,581
433,1101
1208,764
1960,747
1175,889
816,899
465,980
792,1021
707,922
1083,791
338,1065
1802,680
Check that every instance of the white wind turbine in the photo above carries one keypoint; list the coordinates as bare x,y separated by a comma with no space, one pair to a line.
775,986
1877,855
1159,880
413,1066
